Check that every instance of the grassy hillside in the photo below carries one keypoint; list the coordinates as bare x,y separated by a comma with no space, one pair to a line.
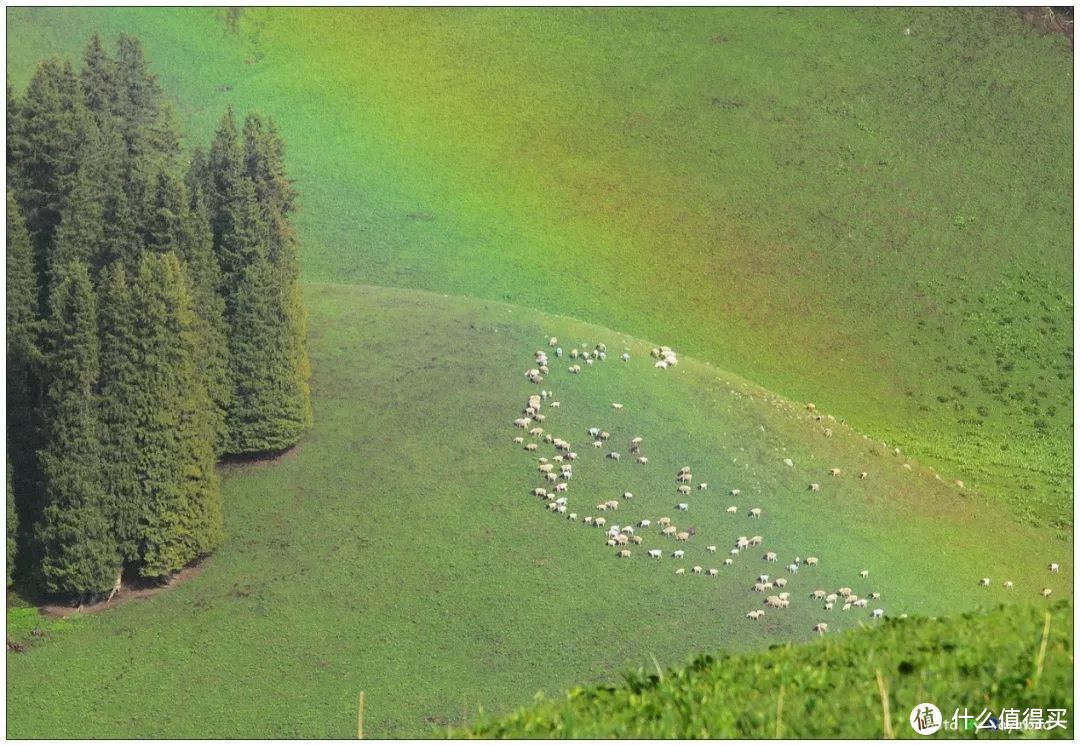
829,689
399,550
891,239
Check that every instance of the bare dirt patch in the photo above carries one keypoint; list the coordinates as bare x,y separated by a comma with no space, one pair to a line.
1050,19
128,592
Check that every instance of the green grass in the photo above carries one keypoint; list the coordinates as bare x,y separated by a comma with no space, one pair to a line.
829,689
398,550
842,213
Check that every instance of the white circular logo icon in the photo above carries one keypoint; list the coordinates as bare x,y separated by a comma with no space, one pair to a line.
925,719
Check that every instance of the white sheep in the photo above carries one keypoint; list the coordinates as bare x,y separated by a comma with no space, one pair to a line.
829,606
697,570
735,493
642,460
733,509
1008,584
811,561
572,517
614,456
815,487
713,572
770,556
711,549
864,573
878,613
656,553
1046,592
1053,567
616,405
821,628
728,561
599,522
703,486
644,523
628,495
755,512
664,521
683,506
984,582
519,439
682,536
681,571
684,489
678,554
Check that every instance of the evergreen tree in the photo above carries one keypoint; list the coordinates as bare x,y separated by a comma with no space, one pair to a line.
100,84
122,405
47,132
12,525
78,556
176,459
23,374
238,232
185,230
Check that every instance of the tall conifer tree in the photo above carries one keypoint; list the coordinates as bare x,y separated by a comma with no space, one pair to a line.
78,555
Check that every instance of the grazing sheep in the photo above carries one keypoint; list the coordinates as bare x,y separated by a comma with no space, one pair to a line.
684,489
681,571
601,507
522,422
562,487
831,598
733,509
770,556
588,520
628,495
682,506
697,570
793,568
703,486
540,492
642,460
864,573
755,512
660,364
664,521
875,595
614,456
678,554
531,446
733,552
829,606
644,523
636,539
861,603
763,578
984,582
555,405
817,595
549,438
821,628
612,504
536,432
756,541
682,536
597,444
711,549
735,493
812,561
1053,567
684,470
846,607
656,553
728,561
815,487
611,542
539,417
599,522
669,531
788,462
622,540
1008,584
519,439
550,476
571,456
629,530
844,591
572,517
834,472
604,435
686,477
877,613
1046,592
616,405
863,475
780,582
850,599
713,572
742,543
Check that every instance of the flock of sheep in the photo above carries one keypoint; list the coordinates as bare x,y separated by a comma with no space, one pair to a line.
558,470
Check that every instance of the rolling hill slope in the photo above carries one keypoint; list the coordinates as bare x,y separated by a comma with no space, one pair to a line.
891,240
399,551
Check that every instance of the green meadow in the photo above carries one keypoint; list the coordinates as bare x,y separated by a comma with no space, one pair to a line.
399,550
806,204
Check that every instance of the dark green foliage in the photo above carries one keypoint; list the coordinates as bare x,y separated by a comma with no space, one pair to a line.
47,132
266,413
121,397
12,525
182,519
115,428
78,555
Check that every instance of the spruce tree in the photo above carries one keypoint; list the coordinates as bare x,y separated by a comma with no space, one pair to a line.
185,230
176,460
23,373
99,83
46,135
263,416
12,525
78,555
122,404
